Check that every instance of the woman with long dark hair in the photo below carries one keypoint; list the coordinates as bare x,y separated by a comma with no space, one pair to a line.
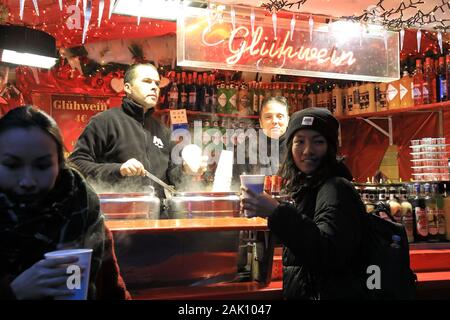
322,232
46,206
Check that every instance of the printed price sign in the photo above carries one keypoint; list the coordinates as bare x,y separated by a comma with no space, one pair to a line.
178,116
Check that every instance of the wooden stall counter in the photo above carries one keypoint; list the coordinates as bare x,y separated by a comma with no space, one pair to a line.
174,225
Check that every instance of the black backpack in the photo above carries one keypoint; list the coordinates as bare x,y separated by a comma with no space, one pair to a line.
385,245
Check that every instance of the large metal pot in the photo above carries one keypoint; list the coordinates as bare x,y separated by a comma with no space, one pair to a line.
203,204
131,205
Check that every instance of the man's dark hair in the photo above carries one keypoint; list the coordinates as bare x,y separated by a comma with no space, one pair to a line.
130,74
279,100
28,117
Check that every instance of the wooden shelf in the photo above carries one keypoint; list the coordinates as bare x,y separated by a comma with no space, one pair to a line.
426,107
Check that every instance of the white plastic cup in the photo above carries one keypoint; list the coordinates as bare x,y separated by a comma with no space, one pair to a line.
84,263
254,182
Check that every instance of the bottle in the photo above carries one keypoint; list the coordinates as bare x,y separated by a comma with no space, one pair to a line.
406,214
431,211
418,80
394,205
222,98
183,93
420,216
293,103
356,99
192,91
277,90
393,95
243,100
262,95
350,100
337,100
406,90
441,85
430,76
212,94
312,98
232,100
440,206
173,95
426,88
447,210
299,97
363,98
371,105
383,97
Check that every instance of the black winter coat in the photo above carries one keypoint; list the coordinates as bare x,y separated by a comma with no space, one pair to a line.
322,236
117,135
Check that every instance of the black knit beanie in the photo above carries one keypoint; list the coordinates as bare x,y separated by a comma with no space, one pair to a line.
318,119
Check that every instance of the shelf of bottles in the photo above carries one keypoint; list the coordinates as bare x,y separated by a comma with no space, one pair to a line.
426,87
422,207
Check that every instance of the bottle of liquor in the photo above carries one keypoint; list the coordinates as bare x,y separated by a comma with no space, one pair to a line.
202,93
418,80
350,100
243,94
394,205
336,100
192,91
441,85
420,215
222,98
430,76
426,86
431,210
440,206
406,90
212,94
299,95
406,214
292,101
363,98
233,96
356,99
183,92
393,95
277,90
173,95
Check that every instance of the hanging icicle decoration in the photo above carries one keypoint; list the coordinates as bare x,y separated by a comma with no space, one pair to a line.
112,3
439,36
292,25
101,7
36,7
87,19
361,33
402,38
385,36
274,23
84,6
139,15
22,3
311,27
233,17
419,39
60,5
252,20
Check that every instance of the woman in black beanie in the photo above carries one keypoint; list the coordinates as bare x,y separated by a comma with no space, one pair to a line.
321,234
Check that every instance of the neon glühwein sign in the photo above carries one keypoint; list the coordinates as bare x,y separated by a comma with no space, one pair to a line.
355,55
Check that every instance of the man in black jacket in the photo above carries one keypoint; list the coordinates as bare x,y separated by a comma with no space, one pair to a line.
120,144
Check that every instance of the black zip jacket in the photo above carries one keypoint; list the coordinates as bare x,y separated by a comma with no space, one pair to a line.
322,236
117,135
